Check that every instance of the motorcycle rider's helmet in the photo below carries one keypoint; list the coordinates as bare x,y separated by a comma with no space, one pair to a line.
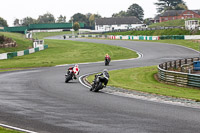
105,70
76,65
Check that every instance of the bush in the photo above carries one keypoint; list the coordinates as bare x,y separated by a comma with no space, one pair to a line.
4,40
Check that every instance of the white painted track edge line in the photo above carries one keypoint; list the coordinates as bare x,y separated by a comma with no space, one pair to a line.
140,55
16,128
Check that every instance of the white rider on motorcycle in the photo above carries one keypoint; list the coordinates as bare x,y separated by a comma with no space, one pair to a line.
75,70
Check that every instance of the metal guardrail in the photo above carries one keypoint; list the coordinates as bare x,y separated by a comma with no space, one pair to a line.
179,78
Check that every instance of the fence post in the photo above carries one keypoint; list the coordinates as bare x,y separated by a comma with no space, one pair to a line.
174,64
165,65
179,63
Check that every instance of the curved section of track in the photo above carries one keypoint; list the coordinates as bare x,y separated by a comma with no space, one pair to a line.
40,101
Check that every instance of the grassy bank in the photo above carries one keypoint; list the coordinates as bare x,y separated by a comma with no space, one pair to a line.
142,79
155,32
20,40
67,52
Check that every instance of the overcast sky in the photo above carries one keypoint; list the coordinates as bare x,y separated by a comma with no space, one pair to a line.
12,9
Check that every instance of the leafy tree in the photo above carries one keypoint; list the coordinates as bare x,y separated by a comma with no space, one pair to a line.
120,14
3,22
88,15
46,18
135,10
78,17
164,5
92,19
28,20
16,22
76,26
148,21
181,6
61,19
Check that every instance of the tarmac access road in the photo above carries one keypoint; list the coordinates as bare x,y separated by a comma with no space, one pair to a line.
39,100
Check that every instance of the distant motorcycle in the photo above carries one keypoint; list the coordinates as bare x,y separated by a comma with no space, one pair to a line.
64,36
97,84
107,61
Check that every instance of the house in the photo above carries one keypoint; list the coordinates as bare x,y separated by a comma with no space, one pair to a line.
109,24
156,19
191,24
179,14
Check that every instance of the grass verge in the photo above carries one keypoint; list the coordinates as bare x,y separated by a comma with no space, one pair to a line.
5,130
68,52
142,79
22,43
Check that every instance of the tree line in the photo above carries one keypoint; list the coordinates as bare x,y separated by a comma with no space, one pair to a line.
89,18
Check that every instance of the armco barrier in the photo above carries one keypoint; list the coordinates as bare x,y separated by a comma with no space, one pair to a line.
188,37
172,37
178,78
21,53
129,37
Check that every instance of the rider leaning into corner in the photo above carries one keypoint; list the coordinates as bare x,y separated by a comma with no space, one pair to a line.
104,77
75,70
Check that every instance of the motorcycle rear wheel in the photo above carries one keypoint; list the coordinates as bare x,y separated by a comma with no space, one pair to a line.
98,87
68,78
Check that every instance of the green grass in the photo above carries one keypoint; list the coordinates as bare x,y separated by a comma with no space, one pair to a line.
15,69
67,52
41,35
20,40
5,130
155,32
142,79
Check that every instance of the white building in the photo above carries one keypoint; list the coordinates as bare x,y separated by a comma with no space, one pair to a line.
109,24
191,24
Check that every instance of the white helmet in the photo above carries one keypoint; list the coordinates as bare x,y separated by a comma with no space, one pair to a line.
105,70
76,65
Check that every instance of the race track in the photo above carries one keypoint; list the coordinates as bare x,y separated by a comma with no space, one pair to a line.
40,101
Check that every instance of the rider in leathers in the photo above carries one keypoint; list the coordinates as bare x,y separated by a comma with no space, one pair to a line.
105,77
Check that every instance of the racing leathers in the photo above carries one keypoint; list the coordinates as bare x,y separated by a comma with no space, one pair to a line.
75,70
104,77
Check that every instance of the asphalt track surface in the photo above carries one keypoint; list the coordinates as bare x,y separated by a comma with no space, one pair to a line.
40,101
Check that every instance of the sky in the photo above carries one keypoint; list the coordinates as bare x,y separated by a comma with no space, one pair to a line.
12,9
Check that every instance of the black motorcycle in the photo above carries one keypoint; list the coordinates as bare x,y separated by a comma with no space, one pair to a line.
97,84
68,76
